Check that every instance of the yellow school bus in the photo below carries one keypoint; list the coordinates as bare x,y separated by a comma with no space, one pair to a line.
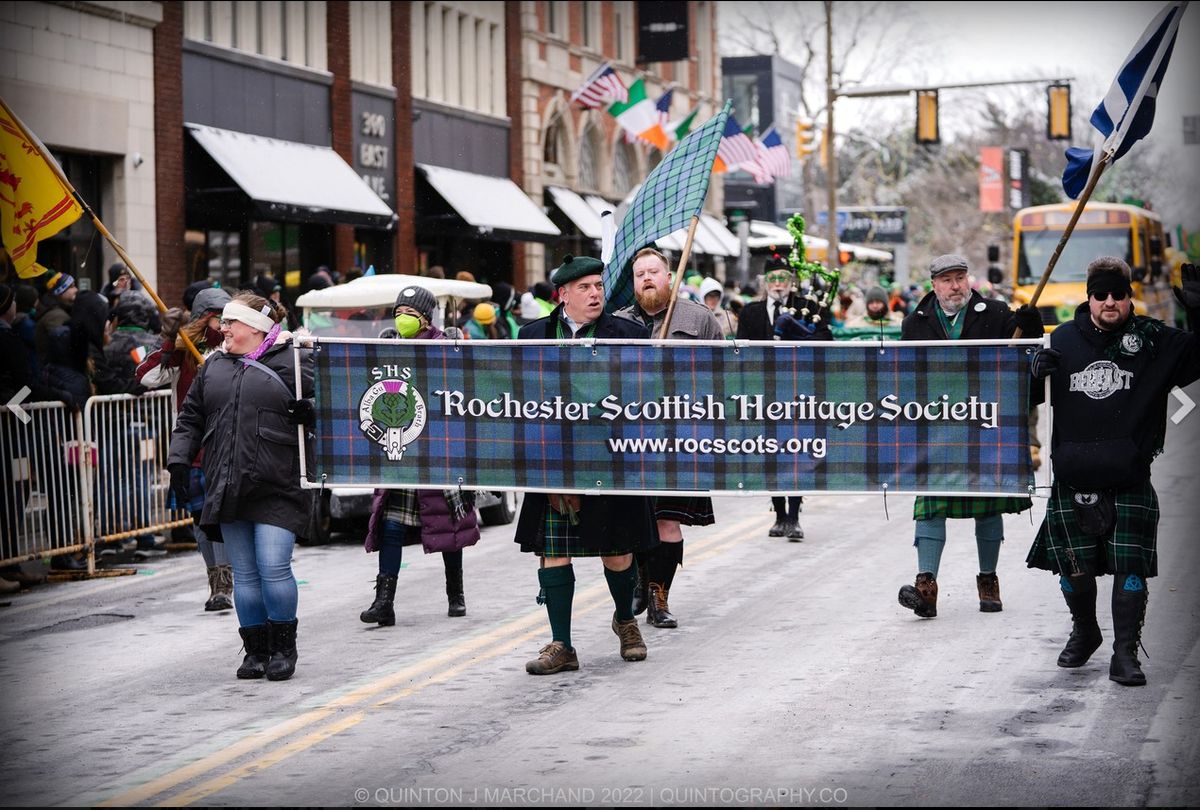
1104,229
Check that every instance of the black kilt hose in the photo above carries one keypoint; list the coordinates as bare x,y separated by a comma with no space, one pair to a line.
607,525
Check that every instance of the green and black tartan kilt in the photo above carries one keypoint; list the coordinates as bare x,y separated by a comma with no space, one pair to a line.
694,510
1131,548
928,507
563,539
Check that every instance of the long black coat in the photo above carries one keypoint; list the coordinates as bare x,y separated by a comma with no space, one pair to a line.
606,521
995,321
754,323
238,414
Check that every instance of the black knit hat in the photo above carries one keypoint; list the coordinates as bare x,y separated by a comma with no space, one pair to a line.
420,299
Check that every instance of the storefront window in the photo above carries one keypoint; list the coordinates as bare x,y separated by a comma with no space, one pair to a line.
224,249
274,248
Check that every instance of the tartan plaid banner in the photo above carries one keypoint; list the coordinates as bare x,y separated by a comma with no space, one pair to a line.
672,194
679,416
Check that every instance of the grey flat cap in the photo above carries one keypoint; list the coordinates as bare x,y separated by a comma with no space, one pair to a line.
946,263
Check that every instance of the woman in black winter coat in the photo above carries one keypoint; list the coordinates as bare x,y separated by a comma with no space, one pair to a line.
240,410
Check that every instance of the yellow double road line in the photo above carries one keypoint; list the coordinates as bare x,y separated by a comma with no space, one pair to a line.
352,707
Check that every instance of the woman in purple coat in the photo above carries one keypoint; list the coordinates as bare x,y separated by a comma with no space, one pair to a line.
441,521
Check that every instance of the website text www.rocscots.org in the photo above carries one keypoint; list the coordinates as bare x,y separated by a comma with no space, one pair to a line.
755,445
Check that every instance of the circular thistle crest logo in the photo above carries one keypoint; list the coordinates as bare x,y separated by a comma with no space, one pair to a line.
392,414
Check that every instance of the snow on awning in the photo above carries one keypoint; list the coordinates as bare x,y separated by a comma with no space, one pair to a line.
576,209
489,203
294,181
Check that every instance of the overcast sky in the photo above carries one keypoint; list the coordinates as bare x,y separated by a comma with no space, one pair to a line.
965,42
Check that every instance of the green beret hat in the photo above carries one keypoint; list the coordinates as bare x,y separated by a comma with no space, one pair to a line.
573,268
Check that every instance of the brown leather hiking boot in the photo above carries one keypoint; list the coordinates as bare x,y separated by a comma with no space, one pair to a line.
633,648
921,598
659,612
989,593
554,657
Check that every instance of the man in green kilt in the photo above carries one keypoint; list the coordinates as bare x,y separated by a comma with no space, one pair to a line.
558,527
953,311
1110,372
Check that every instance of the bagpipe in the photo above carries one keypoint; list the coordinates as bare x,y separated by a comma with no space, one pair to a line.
816,287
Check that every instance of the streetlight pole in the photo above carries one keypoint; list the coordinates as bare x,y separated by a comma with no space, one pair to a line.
832,252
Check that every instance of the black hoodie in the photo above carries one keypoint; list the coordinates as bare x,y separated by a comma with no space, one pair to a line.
1110,397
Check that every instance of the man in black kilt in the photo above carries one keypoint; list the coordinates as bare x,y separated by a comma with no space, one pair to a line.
778,317
1110,373
559,527
690,320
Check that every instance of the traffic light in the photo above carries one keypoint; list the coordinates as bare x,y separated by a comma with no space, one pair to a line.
805,138
927,117
1058,116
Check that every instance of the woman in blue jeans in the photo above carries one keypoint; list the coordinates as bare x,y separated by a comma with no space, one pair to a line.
242,411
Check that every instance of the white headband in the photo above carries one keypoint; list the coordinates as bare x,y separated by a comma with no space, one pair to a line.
240,312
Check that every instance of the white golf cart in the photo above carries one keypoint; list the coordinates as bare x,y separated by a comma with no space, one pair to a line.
363,308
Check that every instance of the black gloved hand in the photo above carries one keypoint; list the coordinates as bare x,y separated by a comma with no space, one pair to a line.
301,412
1044,363
1188,294
1029,321
181,484
170,322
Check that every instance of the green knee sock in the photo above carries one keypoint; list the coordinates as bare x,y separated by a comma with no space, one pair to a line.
620,585
558,586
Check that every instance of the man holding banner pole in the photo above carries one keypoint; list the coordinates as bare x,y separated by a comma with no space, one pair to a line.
690,320
558,527
1110,373
953,311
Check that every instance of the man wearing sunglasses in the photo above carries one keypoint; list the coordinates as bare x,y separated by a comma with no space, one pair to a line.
1110,373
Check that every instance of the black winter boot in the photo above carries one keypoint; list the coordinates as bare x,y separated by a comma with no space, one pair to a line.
381,611
282,638
641,588
1129,612
258,652
454,593
1085,634
659,612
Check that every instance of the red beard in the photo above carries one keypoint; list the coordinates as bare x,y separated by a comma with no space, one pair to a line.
654,300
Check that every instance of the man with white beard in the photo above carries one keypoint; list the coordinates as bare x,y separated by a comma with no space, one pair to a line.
953,312
690,320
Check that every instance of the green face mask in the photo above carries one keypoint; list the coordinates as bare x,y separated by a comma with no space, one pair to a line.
408,325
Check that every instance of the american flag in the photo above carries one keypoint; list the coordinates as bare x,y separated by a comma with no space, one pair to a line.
739,153
773,153
602,88
664,109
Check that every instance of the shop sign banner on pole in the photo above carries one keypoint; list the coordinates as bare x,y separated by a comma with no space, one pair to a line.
674,416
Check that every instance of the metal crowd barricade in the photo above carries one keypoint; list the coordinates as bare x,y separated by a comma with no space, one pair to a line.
42,507
71,480
130,437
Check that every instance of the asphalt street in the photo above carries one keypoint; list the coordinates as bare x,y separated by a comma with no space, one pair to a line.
794,678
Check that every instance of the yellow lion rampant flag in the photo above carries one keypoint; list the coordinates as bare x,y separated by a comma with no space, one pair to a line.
34,202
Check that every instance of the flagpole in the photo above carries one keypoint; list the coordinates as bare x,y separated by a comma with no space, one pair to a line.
1062,242
683,257
62,178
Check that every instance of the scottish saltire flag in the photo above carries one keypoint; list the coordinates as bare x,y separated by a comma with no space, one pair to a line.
737,151
773,153
34,203
603,87
672,194
638,116
1127,112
